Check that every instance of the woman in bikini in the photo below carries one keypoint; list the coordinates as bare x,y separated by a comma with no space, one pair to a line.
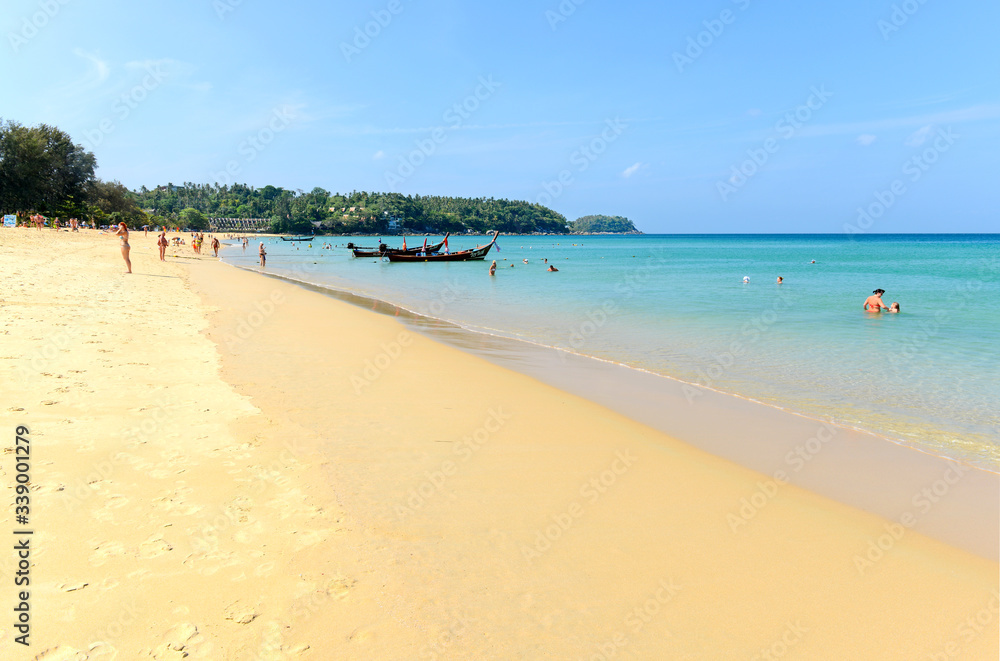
874,302
123,233
161,241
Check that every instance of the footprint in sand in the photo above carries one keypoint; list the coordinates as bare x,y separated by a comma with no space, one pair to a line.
361,635
307,538
105,550
153,547
180,641
241,613
71,587
102,651
340,587
208,564
115,501
174,503
105,513
61,653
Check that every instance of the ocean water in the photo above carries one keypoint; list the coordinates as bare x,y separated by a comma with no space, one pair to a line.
676,305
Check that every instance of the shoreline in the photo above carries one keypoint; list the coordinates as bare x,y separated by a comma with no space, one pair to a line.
854,466
912,415
282,503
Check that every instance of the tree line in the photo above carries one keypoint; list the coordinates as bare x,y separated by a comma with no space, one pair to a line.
43,171
355,212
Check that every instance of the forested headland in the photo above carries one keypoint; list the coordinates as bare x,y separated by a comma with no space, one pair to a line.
603,225
355,212
43,171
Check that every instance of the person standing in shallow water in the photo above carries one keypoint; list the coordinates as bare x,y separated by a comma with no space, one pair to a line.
874,302
263,255
126,248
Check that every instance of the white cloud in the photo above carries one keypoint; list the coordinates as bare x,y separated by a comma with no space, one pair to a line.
96,74
630,170
918,137
975,113
865,139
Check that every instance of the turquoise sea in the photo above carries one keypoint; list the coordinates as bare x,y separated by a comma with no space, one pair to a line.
676,305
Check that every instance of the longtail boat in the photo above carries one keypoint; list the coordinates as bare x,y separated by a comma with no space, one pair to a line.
386,250
478,252
297,238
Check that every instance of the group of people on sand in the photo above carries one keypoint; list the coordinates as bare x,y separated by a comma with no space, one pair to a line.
493,266
198,238
39,221
121,231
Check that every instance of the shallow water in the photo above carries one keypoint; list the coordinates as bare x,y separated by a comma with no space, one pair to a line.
676,305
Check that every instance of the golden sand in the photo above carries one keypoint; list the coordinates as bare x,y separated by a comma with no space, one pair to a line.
228,466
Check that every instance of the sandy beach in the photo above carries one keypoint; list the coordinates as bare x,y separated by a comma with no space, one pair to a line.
224,465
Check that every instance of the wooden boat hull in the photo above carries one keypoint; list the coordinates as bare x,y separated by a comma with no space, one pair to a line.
409,251
297,238
460,256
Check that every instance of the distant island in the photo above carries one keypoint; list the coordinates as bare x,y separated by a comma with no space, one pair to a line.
603,225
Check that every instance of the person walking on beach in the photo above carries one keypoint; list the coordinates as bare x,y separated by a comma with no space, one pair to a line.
123,234
161,242
874,302
215,245
263,255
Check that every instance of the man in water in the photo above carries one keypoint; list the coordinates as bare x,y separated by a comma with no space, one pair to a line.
874,302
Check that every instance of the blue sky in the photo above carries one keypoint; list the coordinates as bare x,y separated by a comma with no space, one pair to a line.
723,116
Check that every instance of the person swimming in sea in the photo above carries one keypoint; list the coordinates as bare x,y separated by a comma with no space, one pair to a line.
874,302
493,267
894,307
